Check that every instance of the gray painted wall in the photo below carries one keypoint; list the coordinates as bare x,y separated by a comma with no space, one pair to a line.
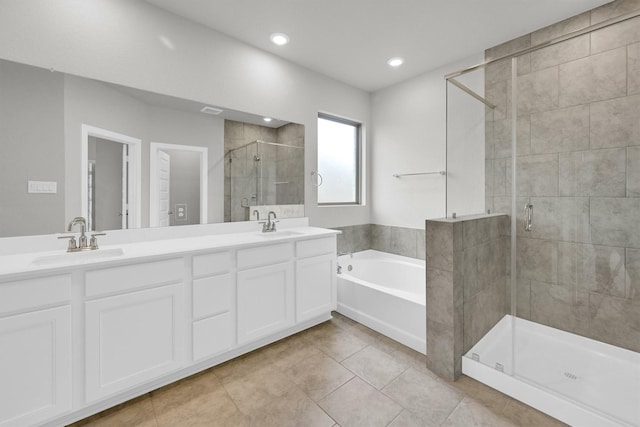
30,113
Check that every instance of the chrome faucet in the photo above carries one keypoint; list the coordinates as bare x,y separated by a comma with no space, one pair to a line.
338,266
269,225
81,245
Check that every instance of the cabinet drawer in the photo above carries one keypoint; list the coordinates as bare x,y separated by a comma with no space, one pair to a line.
212,295
213,335
307,248
264,255
33,293
209,264
129,277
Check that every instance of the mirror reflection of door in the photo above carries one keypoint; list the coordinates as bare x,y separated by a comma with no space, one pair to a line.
178,184
110,180
108,193
164,190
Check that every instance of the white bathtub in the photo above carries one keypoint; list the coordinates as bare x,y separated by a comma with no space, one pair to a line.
572,378
385,292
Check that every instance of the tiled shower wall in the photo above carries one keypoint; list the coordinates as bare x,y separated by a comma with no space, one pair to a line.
466,283
578,162
403,241
282,167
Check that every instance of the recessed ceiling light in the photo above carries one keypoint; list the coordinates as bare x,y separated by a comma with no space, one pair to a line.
395,62
280,39
267,119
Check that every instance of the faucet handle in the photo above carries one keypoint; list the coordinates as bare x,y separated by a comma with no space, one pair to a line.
93,243
72,243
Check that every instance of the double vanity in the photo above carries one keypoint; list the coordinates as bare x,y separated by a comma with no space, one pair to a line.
84,331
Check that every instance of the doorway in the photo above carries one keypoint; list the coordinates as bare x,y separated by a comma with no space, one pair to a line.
110,179
178,185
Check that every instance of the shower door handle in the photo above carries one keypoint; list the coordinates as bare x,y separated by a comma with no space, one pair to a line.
528,217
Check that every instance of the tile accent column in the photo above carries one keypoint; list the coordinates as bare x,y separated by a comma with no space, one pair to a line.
466,286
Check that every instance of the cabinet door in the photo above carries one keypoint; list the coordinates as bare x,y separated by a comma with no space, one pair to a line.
315,286
265,301
35,366
133,338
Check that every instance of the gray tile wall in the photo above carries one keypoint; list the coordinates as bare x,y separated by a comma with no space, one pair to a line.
578,163
403,241
466,286
284,165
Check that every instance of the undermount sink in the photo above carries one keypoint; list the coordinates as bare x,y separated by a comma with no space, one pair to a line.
278,234
77,257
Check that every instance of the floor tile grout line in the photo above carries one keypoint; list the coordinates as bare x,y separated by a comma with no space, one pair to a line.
452,411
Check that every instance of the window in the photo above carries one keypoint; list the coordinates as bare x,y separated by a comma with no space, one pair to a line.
338,161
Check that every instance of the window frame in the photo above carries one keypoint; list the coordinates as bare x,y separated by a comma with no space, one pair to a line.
358,141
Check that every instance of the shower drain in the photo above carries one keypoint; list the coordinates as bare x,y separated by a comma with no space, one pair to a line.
571,376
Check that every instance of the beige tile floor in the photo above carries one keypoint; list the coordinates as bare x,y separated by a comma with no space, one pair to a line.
339,373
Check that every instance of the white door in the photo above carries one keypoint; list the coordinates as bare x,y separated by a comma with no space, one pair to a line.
125,186
314,286
164,176
35,366
265,301
133,338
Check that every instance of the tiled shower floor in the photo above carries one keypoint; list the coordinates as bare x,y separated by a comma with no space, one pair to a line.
337,373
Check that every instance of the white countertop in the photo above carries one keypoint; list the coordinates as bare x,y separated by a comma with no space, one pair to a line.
52,261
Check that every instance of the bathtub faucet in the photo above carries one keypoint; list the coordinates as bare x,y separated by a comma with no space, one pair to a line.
339,267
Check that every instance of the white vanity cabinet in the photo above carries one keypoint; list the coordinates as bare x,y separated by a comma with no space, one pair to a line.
139,333
79,338
265,286
35,350
315,277
213,303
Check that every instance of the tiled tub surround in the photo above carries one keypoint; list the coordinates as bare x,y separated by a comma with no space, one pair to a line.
466,285
402,241
578,161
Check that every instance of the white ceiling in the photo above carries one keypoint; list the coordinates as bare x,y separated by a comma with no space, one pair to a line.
351,40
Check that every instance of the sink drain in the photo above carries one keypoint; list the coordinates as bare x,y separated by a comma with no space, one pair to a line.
571,376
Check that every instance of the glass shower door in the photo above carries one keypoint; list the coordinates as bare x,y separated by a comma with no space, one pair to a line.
244,179
576,246
478,163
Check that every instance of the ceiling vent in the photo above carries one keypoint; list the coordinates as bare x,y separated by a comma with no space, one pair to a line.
211,110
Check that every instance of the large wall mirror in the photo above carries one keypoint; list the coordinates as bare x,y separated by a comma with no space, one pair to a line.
127,158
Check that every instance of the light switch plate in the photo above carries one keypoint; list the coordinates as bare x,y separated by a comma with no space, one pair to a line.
42,187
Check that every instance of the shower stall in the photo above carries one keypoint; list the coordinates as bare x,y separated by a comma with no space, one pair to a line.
548,129
263,173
